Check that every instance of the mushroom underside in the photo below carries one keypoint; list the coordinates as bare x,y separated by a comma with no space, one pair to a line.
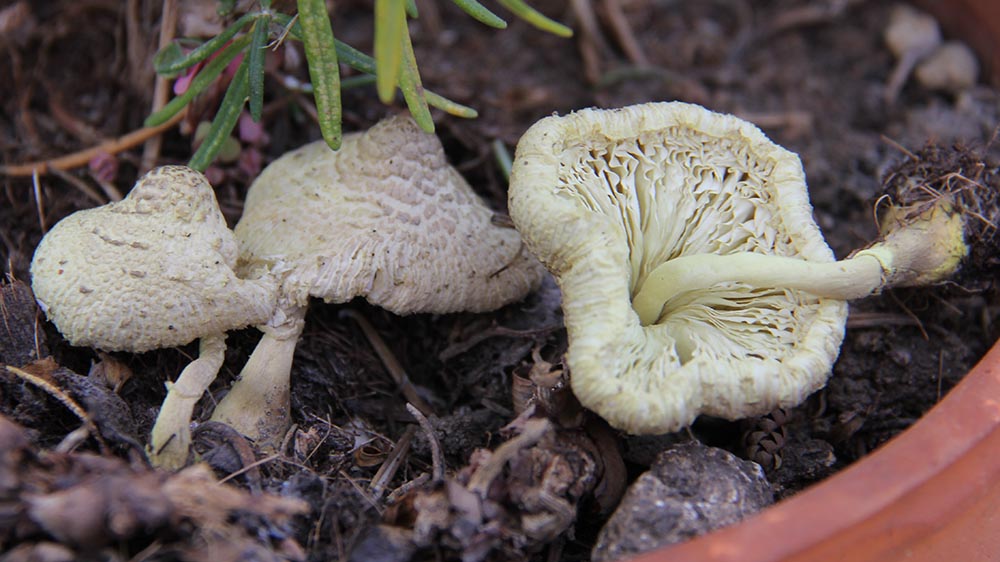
664,192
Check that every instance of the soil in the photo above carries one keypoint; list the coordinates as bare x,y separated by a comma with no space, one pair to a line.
78,72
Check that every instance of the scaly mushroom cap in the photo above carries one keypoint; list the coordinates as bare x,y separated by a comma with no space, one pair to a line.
384,217
153,270
604,197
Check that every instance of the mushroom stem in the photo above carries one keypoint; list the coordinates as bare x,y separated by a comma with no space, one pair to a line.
848,279
926,246
171,435
258,404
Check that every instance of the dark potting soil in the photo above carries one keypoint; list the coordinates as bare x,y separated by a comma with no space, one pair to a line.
812,75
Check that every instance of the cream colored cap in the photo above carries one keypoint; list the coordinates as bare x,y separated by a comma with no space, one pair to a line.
153,270
911,32
603,197
386,218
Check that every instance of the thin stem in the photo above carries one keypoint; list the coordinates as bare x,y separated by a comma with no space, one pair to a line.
258,405
171,435
81,158
921,246
848,279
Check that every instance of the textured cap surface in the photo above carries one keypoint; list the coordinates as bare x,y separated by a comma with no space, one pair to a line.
384,217
604,197
153,270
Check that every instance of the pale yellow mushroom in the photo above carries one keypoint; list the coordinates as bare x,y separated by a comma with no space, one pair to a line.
385,218
951,68
911,35
694,279
151,271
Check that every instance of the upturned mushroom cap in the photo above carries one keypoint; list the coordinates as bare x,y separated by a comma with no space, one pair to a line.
604,197
153,270
384,217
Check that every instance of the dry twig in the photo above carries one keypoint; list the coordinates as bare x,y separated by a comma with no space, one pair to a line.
437,459
83,157
168,27
391,465
389,360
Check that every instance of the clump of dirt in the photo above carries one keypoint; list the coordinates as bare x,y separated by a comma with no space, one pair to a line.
812,77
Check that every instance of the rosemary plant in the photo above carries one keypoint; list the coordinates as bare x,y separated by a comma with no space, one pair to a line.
393,66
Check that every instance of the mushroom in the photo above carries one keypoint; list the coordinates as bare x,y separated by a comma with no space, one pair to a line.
952,68
153,270
385,218
911,35
694,278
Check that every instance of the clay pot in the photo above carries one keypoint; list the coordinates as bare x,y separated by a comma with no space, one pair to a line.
930,494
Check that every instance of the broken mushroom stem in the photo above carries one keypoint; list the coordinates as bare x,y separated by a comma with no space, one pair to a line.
259,405
923,249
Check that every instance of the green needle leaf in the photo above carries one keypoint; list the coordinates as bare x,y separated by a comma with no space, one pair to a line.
355,58
411,9
171,60
502,157
522,10
205,77
481,13
226,7
364,63
450,107
390,25
255,65
413,90
225,120
324,72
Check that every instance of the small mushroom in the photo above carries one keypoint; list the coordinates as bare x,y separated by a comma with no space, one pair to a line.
911,35
694,278
385,218
153,270
952,68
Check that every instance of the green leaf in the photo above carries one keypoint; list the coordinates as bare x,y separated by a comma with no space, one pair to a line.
255,65
364,63
413,90
205,77
450,107
171,56
411,9
357,81
522,10
481,13
226,7
324,72
502,157
225,120
390,25
265,4
355,58
168,63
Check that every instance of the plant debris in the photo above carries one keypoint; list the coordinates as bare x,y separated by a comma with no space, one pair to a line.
78,73
92,505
